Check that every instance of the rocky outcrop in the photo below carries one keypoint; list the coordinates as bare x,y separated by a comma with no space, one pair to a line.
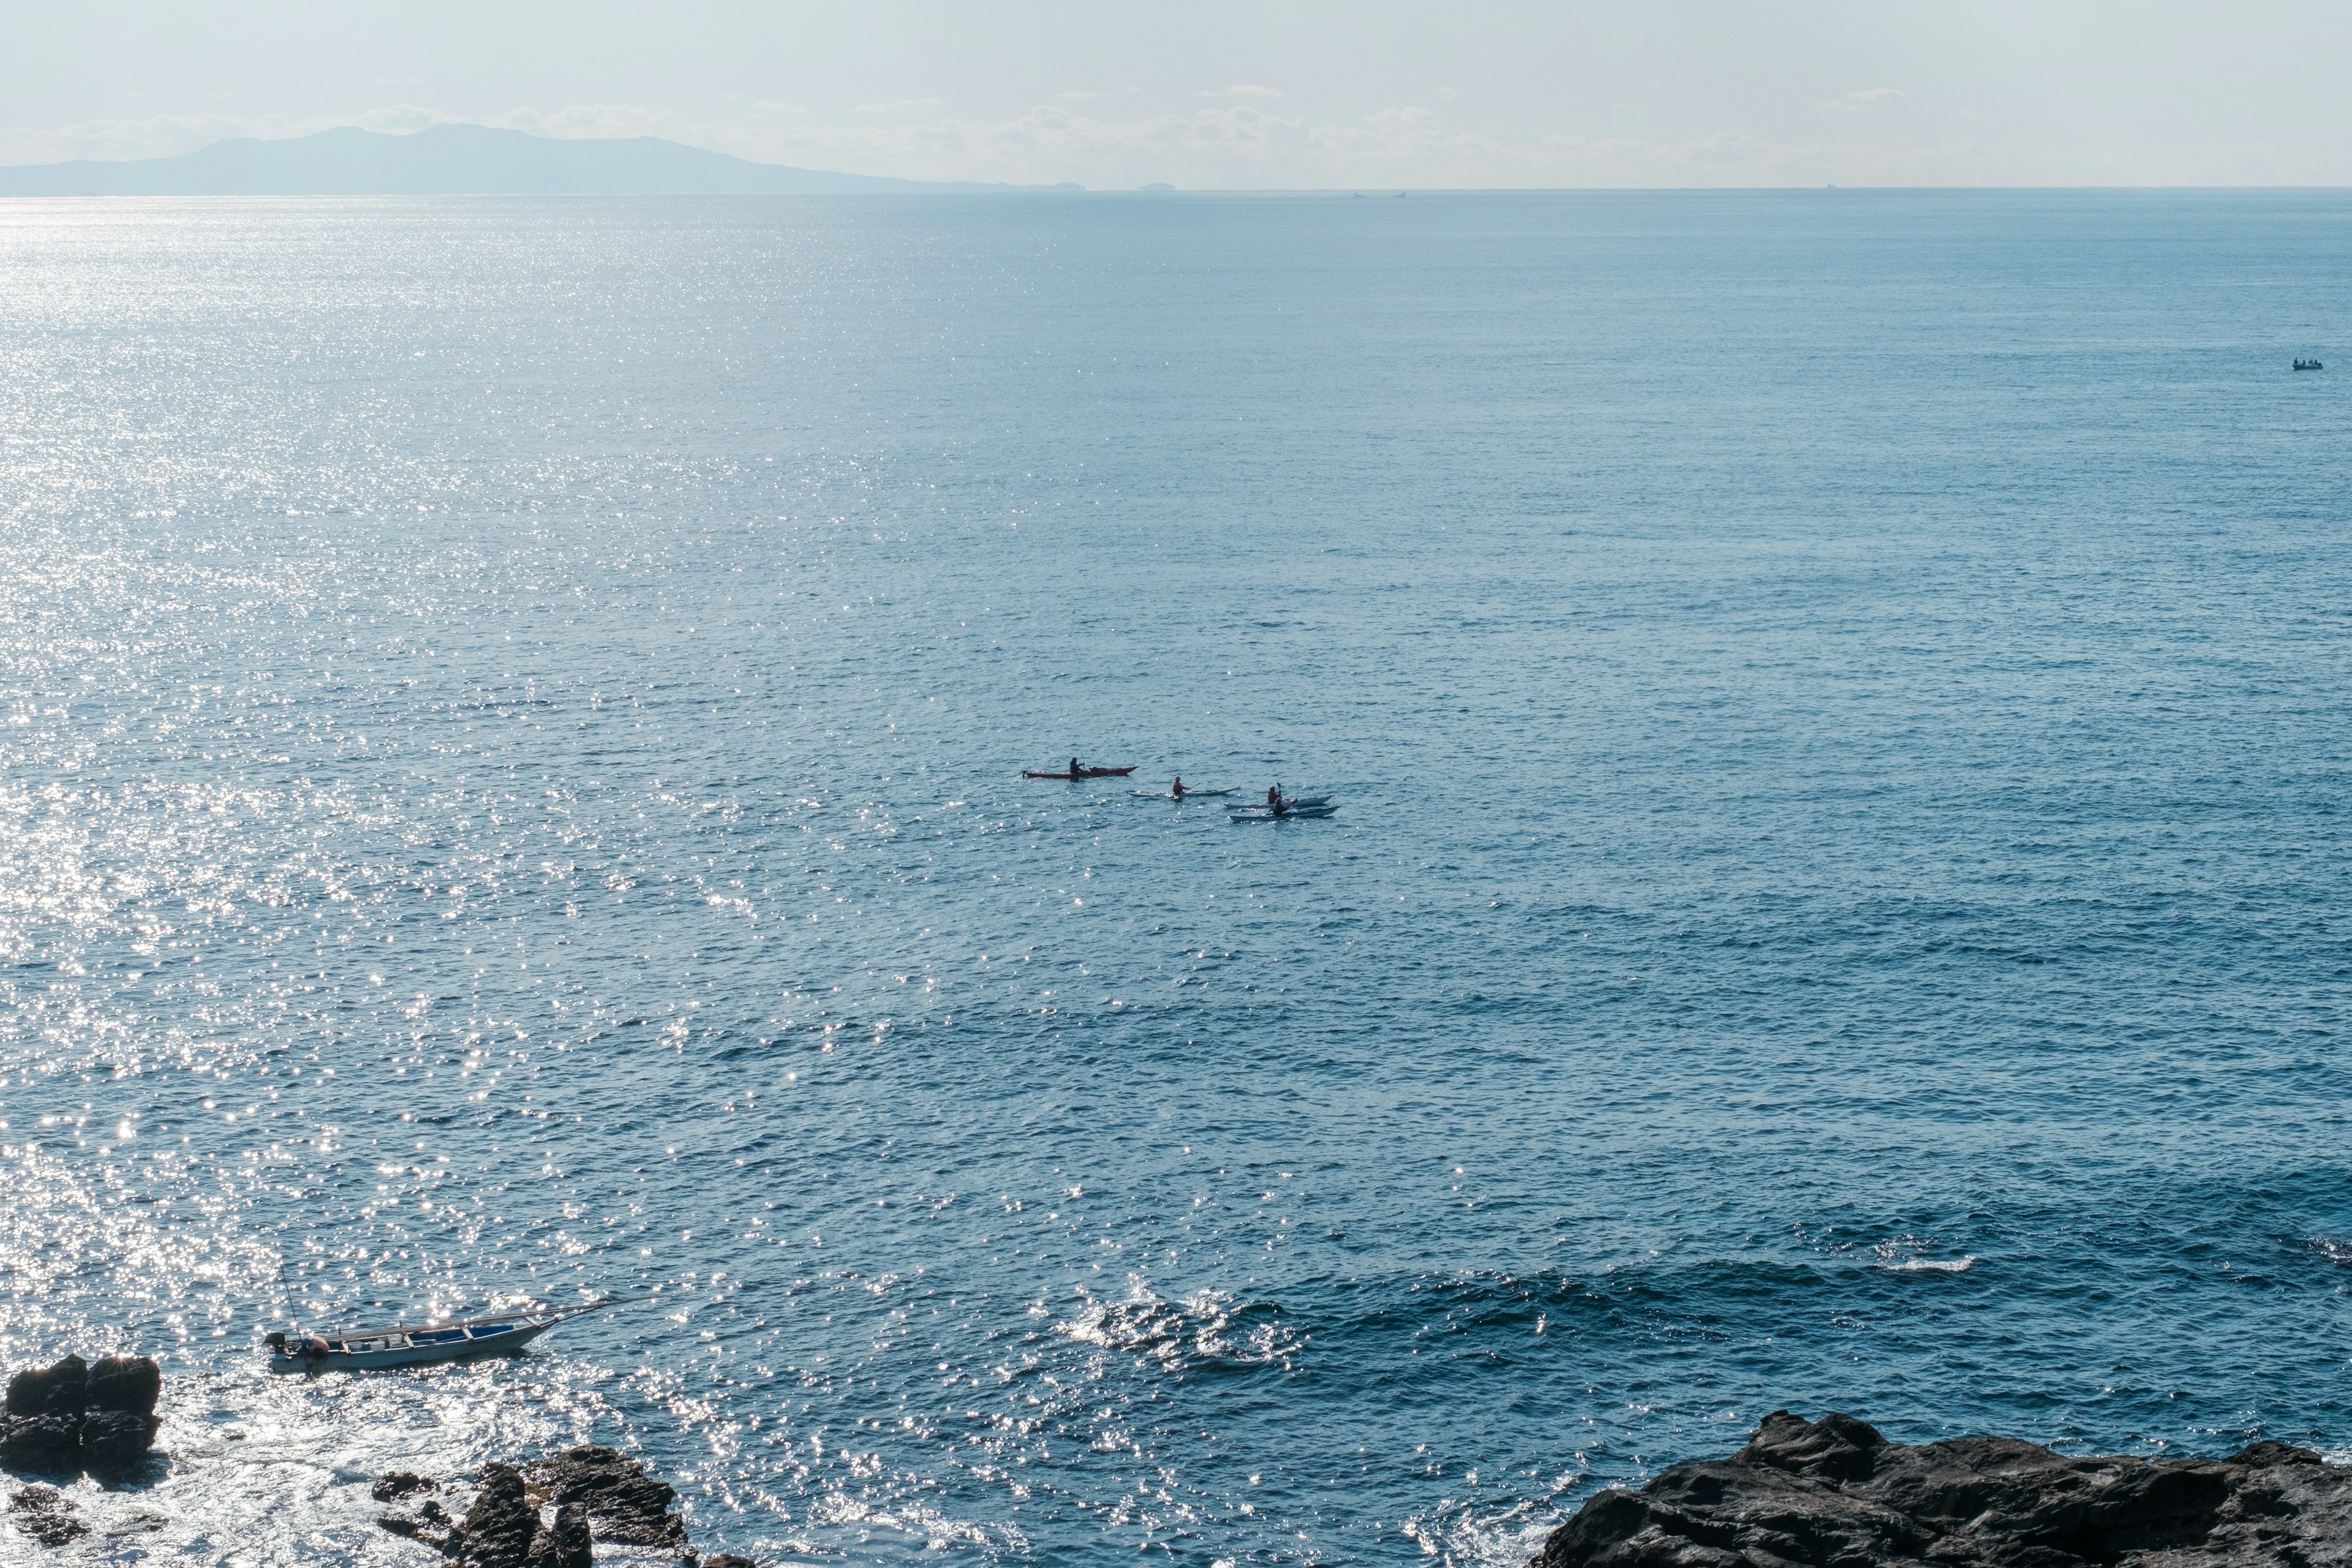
1833,1493
73,1417
597,1495
500,1527
626,1504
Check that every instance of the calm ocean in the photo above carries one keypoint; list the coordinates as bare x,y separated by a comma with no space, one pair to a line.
511,723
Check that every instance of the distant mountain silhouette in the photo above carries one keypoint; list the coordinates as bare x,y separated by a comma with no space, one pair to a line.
450,160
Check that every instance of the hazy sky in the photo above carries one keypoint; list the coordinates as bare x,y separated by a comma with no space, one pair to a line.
1699,93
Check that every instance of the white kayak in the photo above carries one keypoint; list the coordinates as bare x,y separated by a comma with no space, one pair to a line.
414,1345
1266,814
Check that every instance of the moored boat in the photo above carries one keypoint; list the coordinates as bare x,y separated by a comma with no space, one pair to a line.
417,1344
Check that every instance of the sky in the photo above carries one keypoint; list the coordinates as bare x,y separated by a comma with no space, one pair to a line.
1274,94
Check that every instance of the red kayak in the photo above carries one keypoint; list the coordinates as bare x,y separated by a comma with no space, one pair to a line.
1084,773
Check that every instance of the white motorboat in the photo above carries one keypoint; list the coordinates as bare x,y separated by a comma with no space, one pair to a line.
416,1345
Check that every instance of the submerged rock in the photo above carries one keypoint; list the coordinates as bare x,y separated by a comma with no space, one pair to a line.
430,1524
398,1485
1833,1493
46,1515
72,1417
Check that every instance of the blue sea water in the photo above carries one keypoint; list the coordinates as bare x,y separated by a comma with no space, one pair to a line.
510,717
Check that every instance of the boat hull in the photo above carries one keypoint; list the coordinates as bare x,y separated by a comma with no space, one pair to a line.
412,1347
1084,773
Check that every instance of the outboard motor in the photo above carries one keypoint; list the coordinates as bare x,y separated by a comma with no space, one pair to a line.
277,1343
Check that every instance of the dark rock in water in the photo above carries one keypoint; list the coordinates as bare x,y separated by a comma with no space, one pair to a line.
565,1544
50,1391
129,1384
46,1515
626,1505
118,1422
1833,1493
430,1524
598,1495
729,1560
115,1442
49,1443
407,1524
64,1417
498,1528
398,1485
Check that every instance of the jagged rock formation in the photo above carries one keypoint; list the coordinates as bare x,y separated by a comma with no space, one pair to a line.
626,1505
1833,1493
598,1494
73,1417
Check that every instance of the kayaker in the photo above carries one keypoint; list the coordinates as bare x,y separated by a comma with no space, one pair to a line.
1274,800
1074,767
1179,790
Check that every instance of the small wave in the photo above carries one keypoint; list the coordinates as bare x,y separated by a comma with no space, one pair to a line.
1205,1328
1938,1265
2333,1251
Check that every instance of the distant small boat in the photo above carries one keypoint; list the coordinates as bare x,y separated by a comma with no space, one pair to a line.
2309,364
1085,773
417,1344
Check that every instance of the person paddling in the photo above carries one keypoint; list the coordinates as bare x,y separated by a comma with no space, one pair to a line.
1074,767
1274,800
1179,790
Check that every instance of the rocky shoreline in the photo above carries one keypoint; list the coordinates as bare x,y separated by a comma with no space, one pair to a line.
78,1417
1835,1493
1832,1493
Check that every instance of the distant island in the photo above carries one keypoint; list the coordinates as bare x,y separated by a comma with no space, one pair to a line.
453,161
